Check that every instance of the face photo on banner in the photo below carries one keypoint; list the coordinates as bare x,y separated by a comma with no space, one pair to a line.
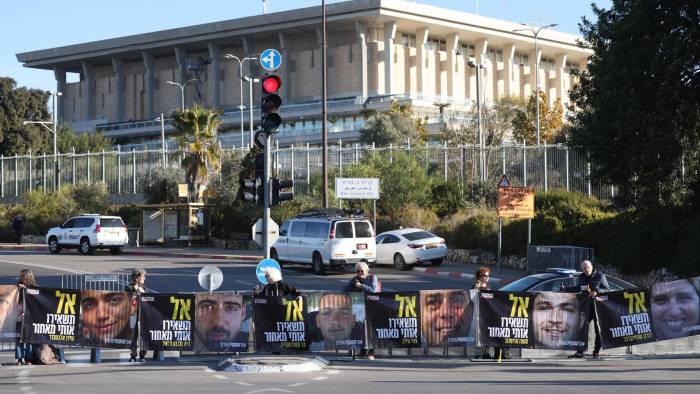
559,320
675,308
106,318
625,318
393,319
280,323
504,319
446,317
167,321
51,316
222,322
336,321
9,311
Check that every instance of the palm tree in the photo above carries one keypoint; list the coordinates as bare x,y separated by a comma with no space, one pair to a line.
197,143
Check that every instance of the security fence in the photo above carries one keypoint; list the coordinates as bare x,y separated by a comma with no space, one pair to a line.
543,167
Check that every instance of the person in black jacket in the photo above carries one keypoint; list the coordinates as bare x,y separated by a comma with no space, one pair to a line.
276,286
591,282
17,226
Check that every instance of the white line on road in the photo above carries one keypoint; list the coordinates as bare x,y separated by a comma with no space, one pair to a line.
332,372
296,384
271,389
72,271
242,383
220,377
320,378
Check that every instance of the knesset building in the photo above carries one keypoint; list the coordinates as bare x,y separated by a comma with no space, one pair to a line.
378,51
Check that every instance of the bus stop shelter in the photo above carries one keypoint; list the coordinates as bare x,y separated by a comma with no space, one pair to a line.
178,225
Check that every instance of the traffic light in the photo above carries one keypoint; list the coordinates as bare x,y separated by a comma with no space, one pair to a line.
277,194
270,119
260,166
252,190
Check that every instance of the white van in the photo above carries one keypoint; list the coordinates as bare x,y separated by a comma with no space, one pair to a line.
325,238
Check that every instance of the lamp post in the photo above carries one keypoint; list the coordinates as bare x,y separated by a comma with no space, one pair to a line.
478,68
240,76
161,118
251,81
182,90
535,32
54,130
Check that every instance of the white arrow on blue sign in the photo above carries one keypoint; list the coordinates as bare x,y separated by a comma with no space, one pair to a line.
270,59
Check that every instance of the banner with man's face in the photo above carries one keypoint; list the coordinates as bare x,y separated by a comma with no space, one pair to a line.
107,318
335,321
447,317
559,320
504,319
167,321
280,323
9,312
675,308
223,322
51,316
393,319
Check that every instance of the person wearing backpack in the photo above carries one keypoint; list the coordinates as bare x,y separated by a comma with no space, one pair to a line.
368,284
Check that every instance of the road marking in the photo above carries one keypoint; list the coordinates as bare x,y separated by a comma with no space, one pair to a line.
244,282
220,377
36,265
296,384
242,383
333,372
320,378
270,389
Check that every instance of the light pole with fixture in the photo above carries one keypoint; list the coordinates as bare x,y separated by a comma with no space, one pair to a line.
478,68
240,76
161,118
182,90
535,32
53,129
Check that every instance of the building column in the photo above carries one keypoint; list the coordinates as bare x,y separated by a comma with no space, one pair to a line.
60,75
214,75
508,58
560,65
480,47
149,84
534,61
361,30
286,89
389,53
452,67
88,80
421,56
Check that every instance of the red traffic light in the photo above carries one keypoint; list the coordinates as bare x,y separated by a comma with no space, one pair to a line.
271,84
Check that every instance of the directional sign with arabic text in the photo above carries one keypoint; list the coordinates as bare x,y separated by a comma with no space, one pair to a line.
357,188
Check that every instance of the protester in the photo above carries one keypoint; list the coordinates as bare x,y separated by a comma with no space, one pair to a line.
481,277
368,284
219,320
276,286
17,226
336,321
23,350
446,317
557,320
106,316
675,308
138,279
591,282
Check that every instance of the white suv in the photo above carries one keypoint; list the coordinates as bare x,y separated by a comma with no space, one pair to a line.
324,238
88,232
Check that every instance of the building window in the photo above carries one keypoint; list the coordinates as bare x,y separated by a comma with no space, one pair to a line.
408,40
571,67
466,50
521,59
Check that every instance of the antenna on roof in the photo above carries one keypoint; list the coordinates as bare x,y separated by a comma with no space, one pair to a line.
265,6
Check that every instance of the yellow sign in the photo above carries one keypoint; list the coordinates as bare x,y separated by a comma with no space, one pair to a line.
516,202
182,190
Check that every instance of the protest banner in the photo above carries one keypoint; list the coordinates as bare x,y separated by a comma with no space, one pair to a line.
107,318
393,319
51,316
447,317
504,319
223,322
9,312
280,323
167,321
335,321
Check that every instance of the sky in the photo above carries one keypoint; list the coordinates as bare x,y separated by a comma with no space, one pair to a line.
30,25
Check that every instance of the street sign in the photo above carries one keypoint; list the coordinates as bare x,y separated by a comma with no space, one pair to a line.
516,202
270,59
182,190
504,182
210,277
272,232
357,188
265,263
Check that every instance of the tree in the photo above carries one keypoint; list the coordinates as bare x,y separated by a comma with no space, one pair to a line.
551,120
16,106
196,129
638,102
160,185
68,140
395,126
497,123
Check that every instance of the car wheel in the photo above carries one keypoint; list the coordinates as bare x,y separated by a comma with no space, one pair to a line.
436,262
275,256
117,250
317,263
399,262
54,246
85,247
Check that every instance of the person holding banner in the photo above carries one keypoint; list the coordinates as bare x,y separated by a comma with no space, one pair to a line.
276,286
675,308
591,282
138,279
368,284
482,276
23,351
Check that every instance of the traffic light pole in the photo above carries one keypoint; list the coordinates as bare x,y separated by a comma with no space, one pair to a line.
266,199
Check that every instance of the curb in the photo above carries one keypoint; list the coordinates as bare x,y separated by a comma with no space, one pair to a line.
194,255
25,247
461,275
315,363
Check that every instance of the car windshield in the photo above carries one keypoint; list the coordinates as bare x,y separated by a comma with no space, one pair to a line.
415,236
525,283
111,222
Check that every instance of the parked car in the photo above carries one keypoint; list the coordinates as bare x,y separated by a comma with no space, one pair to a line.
325,238
88,232
409,246
553,278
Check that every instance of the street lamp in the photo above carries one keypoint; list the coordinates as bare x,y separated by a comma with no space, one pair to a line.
251,81
161,118
240,75
535,32
182,90
54,130
478,68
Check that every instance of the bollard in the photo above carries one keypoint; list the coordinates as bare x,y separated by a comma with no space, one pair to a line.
95,355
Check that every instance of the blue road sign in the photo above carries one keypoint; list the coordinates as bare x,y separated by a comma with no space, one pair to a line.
265,263
270,59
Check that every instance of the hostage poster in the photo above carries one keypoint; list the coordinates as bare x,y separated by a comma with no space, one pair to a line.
107,318
280,324
504,319
559,320
335,321
9,312
167,321
624,318
223,322
393,319
675,308
447,317
51,316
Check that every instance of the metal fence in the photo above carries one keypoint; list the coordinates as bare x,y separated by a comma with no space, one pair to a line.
544,167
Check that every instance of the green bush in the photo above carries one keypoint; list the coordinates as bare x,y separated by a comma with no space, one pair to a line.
160,186
412,215
477,232
90,197
446,197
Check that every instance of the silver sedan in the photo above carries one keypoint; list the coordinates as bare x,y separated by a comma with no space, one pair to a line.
409,246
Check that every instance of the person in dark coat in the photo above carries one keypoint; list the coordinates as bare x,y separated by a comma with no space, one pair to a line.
137,287
276,286
17,226
591,282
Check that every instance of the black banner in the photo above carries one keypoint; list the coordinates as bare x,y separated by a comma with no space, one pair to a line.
675,308
393,319
223,322
624,318
51,316
504,319
447,317
559,320
107,318
279,324
167,321
9,312
335,321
